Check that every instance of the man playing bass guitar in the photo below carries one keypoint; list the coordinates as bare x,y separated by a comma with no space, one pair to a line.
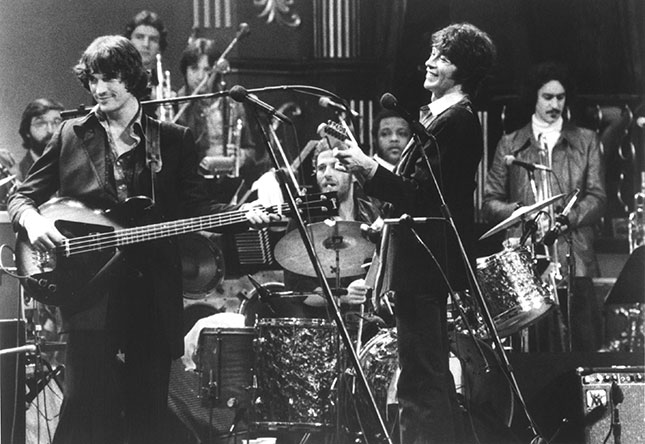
123,331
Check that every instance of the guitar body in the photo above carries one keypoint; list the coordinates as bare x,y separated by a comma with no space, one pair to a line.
56,279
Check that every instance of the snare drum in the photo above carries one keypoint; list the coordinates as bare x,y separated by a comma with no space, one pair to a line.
514,294
296,365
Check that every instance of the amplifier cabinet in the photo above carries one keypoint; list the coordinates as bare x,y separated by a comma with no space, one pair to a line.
597,394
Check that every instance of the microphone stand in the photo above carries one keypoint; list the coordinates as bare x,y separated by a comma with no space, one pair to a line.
331,302
488,319
83,110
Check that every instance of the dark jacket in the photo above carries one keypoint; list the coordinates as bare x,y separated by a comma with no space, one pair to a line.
457,134
74,165
576,163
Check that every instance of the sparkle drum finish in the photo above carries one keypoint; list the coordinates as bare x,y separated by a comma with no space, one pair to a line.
514,294
296,367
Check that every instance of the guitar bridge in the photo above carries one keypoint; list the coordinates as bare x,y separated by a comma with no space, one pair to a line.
46,262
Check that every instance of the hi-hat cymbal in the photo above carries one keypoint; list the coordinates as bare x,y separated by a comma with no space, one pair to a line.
329,239
520,214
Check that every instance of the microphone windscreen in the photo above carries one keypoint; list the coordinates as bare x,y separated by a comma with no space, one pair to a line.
324,101
244,29
388,101
238,93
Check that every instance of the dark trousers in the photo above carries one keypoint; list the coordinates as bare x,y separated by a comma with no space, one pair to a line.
585,322
107,401
426,391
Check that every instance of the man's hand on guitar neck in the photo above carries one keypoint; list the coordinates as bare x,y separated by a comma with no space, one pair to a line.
352,157
41,231
257,217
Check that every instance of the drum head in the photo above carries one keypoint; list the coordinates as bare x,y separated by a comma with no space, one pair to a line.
279,306
202,263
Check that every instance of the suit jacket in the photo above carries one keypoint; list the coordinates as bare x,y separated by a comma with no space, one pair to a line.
576,163
74,165
454,155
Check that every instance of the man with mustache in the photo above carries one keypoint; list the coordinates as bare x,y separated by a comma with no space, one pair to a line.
573,154
353,205
40,120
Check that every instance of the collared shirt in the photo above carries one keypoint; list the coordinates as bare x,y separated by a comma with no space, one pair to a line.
433,109
123,166
546,133
429,112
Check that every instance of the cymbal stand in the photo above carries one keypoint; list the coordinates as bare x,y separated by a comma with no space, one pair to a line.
488,319
551,255
274,150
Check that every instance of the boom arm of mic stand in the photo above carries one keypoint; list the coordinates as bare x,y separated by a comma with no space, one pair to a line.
488,319
289,197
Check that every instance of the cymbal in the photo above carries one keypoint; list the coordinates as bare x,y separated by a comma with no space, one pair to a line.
341,237
519,215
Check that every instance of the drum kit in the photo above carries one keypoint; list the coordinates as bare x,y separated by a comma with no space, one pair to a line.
286,368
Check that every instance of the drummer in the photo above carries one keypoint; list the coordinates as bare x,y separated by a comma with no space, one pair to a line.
354,205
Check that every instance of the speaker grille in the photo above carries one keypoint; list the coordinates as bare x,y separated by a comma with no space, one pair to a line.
596,384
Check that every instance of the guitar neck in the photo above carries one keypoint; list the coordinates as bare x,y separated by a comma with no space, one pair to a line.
145,233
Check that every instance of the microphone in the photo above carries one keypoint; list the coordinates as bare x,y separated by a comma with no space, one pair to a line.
243,30
240,94
511,160
556,230
264,295
327,102
388,101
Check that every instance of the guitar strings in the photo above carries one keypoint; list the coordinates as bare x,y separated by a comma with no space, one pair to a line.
83,244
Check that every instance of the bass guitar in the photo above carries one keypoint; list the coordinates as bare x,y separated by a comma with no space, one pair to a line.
94,239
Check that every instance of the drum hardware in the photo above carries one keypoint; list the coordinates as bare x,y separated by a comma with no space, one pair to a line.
276,152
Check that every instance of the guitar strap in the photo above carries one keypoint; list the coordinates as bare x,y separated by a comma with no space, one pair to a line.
153,152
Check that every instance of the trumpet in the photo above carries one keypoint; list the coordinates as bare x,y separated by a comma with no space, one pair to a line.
163,91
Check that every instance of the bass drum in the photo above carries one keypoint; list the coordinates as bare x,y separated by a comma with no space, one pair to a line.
202,263
482,393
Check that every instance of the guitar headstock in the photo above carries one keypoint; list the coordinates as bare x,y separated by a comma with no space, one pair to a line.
334,131
314,205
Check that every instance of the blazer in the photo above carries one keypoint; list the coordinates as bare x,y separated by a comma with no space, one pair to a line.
74,165
454,153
